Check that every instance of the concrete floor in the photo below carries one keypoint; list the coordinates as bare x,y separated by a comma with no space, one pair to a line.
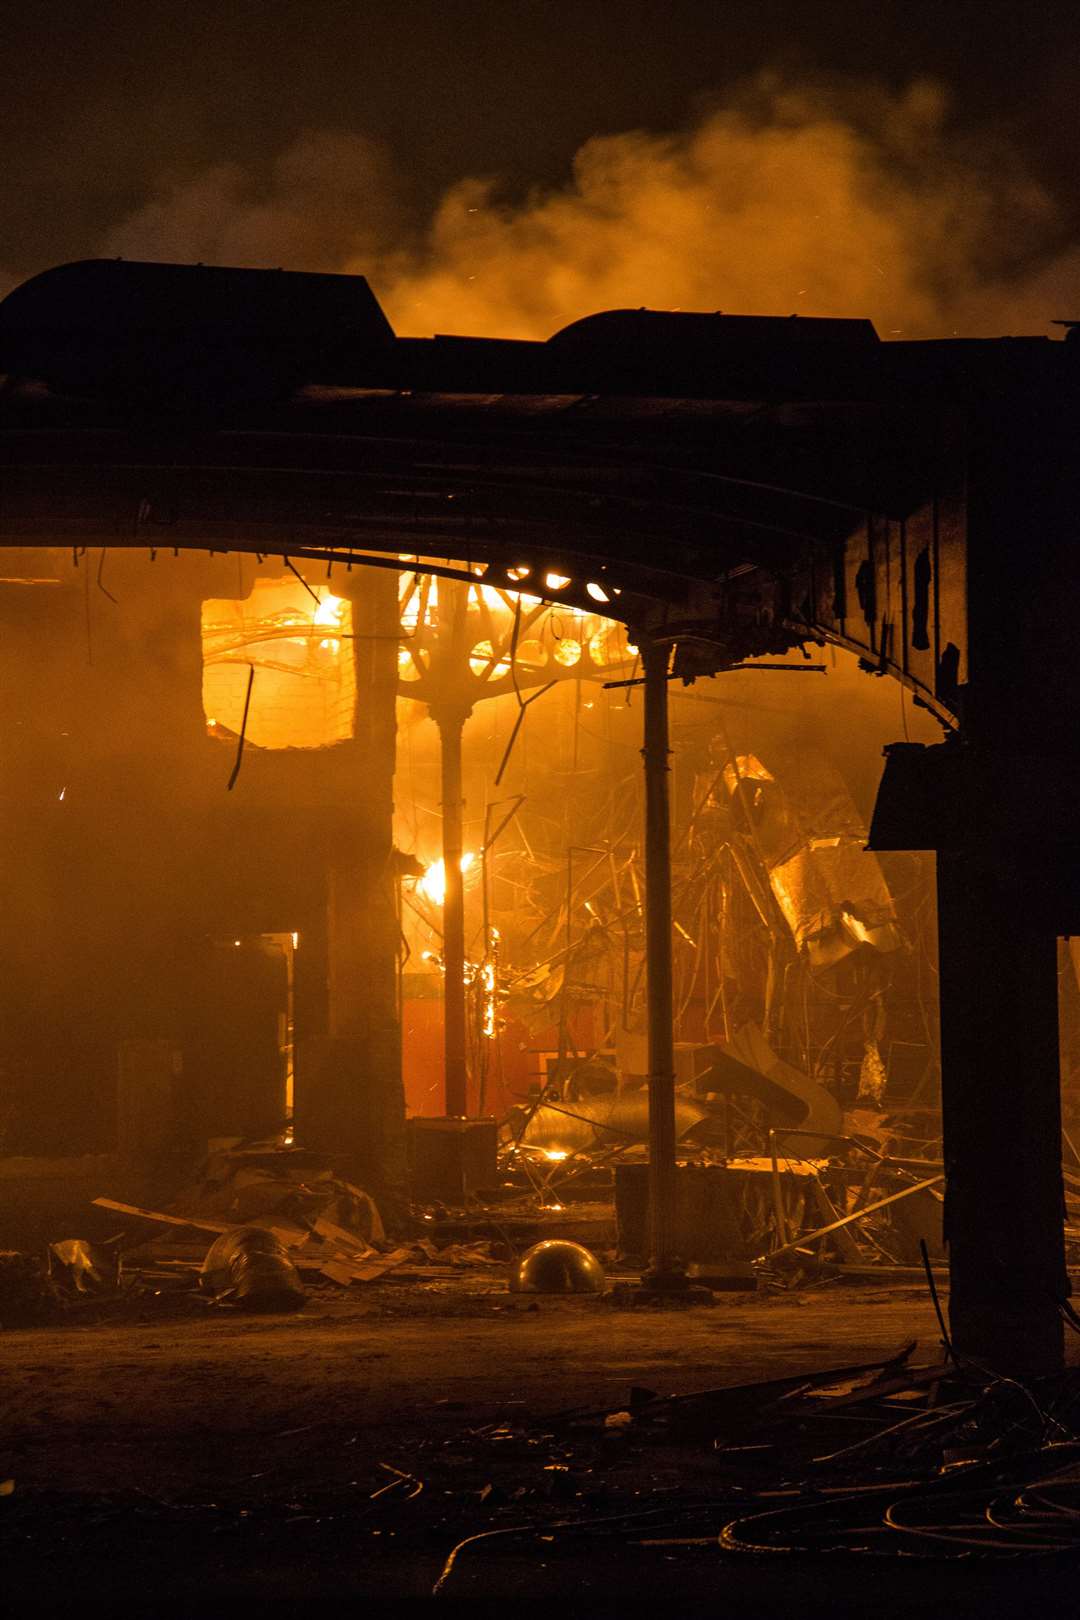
131,1403
185,1451
183,1460
163,1375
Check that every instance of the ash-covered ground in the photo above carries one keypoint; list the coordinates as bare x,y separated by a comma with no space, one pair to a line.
172,1457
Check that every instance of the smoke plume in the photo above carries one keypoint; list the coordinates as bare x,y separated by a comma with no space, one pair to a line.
846,201
330,200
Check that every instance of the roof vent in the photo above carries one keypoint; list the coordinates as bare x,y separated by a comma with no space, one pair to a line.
189,335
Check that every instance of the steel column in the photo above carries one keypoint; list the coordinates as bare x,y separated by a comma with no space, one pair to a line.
1001,1108
451,724
663,1263
349,1097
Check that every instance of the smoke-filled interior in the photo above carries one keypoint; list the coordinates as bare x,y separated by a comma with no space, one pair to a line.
183,939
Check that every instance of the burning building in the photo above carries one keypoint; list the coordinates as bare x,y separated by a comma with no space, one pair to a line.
257,543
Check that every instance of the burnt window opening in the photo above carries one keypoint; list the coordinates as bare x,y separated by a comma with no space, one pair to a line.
300,648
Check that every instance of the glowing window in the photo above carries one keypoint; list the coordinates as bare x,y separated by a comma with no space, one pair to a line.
304,688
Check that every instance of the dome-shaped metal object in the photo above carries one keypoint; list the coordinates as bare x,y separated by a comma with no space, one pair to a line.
557,1266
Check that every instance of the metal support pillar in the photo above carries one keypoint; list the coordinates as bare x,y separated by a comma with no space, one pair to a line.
451,724
1001,1108
350,1100
664,1267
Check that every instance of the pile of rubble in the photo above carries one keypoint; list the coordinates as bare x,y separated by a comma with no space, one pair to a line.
807,1186
282,1220
949,1461
36,1288
261,1225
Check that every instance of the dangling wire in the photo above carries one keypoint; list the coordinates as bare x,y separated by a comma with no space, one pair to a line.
932,1285
243,730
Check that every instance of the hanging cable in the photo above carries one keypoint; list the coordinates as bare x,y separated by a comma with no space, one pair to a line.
243,730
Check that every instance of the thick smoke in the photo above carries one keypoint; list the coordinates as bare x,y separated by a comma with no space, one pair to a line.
839,202
330,200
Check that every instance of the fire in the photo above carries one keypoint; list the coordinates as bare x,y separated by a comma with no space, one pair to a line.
433,883
488,975
329,611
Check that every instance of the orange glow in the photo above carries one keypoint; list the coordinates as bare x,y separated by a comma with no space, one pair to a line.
304,688
331,610
433,883
486,664
488,975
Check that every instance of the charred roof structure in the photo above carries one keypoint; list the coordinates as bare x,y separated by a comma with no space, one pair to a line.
729,488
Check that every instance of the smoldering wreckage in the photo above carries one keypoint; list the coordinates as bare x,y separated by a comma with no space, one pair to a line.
778,1173
694,1060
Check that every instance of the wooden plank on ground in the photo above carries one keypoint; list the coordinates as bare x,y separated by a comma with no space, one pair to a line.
201,1224
343,1239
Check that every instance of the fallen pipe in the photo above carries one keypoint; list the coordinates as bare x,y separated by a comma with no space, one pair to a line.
857,1215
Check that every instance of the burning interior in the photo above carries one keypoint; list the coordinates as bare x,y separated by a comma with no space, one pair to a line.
179,959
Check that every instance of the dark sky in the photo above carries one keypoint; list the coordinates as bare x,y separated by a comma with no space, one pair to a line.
101,99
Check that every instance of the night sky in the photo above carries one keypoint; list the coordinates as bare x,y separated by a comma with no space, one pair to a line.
110,106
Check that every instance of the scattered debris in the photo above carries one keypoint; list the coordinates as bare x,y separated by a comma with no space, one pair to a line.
250,1268
596,1124
88,1268
791,1102
811,1191
36,1288
841,1224
951,1462
347,1264
278,1214
160,1216
287,1187
25,1292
